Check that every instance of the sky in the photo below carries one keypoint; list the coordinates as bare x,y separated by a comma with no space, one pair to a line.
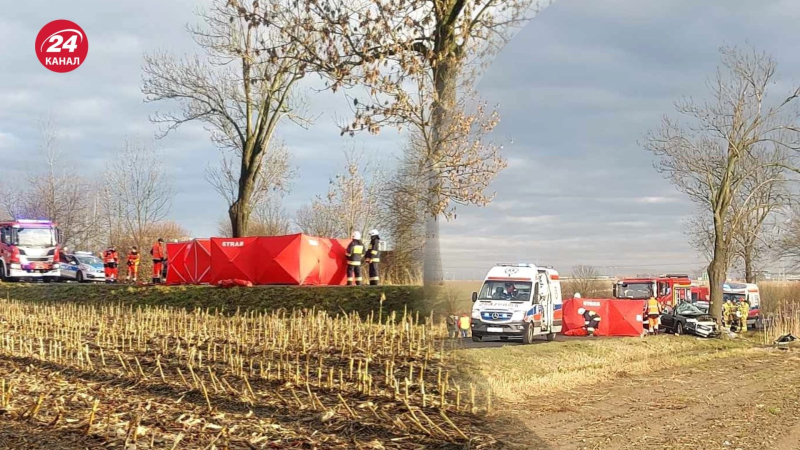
577,89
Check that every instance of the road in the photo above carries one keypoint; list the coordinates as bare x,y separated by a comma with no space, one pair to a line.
496,342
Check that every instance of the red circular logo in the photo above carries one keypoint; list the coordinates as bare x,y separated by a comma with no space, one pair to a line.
61,46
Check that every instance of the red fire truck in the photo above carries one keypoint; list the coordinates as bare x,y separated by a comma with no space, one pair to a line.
669,289
29,250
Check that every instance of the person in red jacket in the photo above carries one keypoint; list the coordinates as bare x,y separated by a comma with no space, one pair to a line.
111,263
159,256
133,264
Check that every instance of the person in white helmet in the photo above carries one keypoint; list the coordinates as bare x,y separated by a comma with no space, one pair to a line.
577,295
591,320
355,252
373,258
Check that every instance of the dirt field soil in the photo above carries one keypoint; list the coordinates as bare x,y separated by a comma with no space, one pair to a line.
748,402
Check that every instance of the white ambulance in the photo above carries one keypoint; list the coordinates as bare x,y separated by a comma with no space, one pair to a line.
517,300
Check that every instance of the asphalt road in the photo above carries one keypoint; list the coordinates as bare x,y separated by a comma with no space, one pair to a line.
494,342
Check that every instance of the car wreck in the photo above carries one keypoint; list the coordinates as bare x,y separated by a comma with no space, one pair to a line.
686,318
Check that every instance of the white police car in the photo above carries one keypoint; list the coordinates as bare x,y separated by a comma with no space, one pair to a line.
81,267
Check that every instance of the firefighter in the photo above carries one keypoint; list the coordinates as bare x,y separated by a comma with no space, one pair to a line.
355,252
158,255
110,263
463,324
728,315
591,320
744,311
452,326
373,258
653,313
133,264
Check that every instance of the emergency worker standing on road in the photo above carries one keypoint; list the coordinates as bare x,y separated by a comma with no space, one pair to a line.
111,262
133,264
744,311
355,252
653,313
452,326
591,320
463,324
158,255
373,257
728,315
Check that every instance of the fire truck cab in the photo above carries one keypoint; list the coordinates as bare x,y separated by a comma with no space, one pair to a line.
29,250
518,301
668,289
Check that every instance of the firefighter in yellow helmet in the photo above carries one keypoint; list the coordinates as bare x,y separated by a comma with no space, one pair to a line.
653,313
744,311
728,315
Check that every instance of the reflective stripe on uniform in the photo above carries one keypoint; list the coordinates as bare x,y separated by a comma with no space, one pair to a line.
359,279
358,249
374,278
353,263
375,260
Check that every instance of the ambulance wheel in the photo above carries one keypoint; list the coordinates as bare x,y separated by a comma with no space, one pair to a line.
529,334
550,336
79,277
477,338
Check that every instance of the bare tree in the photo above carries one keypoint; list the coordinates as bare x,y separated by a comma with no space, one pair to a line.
273,177
353,202
58,193
269,218
584,281
137,194
714,156
405,205
241,92
412,57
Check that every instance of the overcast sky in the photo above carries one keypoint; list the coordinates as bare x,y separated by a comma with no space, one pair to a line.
577,88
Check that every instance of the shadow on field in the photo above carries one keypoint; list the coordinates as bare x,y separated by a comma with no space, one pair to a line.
289,416
506,424
16,435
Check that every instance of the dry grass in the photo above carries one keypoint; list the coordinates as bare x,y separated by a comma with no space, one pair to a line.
517,373
159,376
780,306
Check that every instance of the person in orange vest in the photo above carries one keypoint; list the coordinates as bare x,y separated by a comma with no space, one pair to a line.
133,264
110,263
159,257
653,313
463,324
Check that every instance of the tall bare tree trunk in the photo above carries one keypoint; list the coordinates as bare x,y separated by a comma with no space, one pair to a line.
239,211
445,75
718,269
749,270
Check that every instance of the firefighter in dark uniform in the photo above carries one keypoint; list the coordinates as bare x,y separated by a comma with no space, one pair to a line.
373,257
355,253
591,320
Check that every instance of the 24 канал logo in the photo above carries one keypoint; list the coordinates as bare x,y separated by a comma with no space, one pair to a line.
61,46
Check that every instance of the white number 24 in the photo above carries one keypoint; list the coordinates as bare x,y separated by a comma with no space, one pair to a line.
70,45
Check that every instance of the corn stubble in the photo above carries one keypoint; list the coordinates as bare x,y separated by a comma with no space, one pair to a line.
153,377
